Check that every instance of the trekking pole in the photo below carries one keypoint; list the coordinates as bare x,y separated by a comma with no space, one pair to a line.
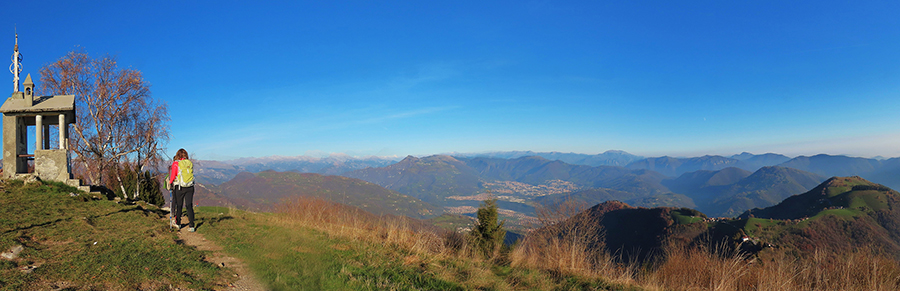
171,208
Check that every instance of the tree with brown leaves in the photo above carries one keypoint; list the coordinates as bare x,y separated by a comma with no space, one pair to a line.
119,124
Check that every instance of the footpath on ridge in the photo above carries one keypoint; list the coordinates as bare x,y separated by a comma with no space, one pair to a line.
246,281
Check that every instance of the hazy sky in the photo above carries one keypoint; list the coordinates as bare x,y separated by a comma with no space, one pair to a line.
425,77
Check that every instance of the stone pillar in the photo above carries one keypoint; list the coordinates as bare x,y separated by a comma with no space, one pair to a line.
12,146
38,130
62,131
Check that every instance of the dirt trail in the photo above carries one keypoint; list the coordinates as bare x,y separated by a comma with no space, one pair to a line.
246,281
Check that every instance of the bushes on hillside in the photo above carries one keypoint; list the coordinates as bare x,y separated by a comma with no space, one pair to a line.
871,187
138,185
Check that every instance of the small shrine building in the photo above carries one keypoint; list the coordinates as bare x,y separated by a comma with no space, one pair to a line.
23,110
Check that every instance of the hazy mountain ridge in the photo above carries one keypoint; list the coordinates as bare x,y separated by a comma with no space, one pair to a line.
331,165
431,179
594,196
214,172
674,167
726,192
217,172
722,192
702,179
262,191
885,172
765,187
536,170
607,158
758,161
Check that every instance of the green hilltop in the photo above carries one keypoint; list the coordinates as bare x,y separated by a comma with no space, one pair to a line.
842,196
69,239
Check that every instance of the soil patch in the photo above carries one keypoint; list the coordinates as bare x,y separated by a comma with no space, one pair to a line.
245,282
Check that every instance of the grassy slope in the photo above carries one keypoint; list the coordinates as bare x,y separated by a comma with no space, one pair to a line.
79,243
76,242
289,258
290,255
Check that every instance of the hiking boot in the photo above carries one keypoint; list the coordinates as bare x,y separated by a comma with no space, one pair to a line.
174,225
191,229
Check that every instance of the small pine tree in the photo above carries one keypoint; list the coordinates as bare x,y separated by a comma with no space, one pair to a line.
129,177
488,234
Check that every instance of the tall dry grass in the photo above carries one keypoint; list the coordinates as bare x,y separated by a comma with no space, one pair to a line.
354,223
576,249
698,268
446,254
572,248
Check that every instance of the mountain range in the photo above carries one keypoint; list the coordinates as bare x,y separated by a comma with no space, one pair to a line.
726,192
608,158
718,186
838,216
730,191
880,170
264,190
217,172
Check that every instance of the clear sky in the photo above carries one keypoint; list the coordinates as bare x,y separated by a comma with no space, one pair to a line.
389,78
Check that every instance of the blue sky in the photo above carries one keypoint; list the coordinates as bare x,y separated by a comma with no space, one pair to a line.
653,78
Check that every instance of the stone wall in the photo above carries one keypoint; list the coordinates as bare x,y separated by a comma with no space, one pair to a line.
51,165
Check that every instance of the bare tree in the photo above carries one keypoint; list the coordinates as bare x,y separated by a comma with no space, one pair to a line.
119,123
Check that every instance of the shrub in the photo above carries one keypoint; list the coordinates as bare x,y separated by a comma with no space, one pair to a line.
488,234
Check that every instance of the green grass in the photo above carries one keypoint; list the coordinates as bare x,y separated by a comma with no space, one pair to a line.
842,213
288,255
755,227
685,217
292,258
842,185
867,200
93,244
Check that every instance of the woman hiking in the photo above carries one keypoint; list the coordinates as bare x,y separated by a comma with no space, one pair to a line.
181,179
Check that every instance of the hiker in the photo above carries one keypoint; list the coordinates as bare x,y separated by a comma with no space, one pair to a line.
181,178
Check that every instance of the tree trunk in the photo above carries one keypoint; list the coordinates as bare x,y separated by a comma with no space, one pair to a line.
121,185
139,177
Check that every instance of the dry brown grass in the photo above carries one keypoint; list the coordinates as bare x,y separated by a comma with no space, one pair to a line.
571,248
698,268
574,251
716,269
446,254
564,249
351,222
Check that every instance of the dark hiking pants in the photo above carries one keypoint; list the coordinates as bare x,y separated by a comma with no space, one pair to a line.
184,197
